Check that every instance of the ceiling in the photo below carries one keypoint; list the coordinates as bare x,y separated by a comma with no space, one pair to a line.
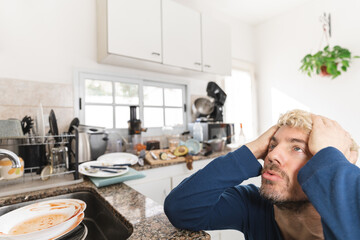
252,12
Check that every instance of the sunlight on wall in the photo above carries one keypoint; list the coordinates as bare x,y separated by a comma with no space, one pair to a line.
282,103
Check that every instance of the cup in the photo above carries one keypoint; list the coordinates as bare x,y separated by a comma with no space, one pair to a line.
59,158
6,170
173,143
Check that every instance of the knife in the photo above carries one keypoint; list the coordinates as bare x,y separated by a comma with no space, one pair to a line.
106,167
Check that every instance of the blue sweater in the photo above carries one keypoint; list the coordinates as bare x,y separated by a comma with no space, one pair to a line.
212,199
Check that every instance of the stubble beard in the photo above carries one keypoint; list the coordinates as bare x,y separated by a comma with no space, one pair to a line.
285,195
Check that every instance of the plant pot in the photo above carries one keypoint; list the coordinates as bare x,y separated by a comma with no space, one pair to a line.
324,72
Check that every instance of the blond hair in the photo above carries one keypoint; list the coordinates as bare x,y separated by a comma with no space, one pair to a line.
302,119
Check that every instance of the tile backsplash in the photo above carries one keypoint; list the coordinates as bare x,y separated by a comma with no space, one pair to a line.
20,98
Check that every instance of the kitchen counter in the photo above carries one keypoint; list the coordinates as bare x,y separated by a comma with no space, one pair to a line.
146,216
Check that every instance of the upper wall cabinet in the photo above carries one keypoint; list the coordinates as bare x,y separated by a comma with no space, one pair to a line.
181,35
216,44
161,35
133,28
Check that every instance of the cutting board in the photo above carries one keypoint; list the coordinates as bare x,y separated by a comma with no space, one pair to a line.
152,161
130,175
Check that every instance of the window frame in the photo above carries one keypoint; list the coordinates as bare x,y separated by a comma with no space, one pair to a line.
79,97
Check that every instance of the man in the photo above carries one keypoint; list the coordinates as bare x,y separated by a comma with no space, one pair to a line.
310,186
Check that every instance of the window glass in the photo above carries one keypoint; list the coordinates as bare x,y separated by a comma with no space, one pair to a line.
97,91
100,116
173,97
153,117
122,116
153,96
126,93
173,116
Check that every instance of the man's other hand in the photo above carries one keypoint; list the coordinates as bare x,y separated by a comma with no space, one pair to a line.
328,133
259,146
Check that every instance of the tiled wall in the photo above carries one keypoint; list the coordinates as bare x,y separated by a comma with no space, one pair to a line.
19,98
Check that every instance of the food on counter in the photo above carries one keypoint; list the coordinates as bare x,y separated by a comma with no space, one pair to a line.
189,161
140,147
181,151
163,155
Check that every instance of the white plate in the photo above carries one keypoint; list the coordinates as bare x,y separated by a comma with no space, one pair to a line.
86,165
119,158
40,123
35,215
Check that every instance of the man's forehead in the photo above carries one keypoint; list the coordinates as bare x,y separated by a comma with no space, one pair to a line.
291,134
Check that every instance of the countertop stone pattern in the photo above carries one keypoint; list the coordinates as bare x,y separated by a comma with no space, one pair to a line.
143,215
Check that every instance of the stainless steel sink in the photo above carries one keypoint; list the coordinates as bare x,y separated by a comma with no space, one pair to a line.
101,221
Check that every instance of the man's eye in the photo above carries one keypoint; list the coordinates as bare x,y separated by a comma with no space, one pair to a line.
271,146
297,149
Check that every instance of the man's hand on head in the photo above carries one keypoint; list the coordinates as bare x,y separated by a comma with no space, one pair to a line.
328,133
259,146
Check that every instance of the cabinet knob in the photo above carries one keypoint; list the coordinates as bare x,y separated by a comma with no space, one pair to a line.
197,63
155,53
208,66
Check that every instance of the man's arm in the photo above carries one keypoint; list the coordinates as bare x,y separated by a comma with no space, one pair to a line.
331,180
208,199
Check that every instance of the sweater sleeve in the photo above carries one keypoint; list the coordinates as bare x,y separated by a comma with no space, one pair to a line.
206,199
332,185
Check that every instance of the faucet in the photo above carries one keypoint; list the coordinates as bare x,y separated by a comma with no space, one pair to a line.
12,156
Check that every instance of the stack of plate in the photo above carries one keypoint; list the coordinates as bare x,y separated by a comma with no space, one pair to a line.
43,220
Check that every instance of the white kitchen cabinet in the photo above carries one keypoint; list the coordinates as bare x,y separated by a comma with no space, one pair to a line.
156,190
181,36
130,28
216,46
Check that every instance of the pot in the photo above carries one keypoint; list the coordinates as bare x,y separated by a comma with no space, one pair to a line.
217,145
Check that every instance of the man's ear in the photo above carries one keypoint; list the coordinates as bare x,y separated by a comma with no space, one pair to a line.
353,156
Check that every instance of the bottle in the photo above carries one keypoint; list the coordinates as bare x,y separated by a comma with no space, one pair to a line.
241,137
198,132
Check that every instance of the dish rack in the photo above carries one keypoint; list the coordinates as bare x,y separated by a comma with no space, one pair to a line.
48,175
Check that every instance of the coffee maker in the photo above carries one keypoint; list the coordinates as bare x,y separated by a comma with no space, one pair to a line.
213,90
134,128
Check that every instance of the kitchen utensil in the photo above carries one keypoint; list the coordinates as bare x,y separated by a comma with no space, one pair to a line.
59,157
40,124
202,107
11,129
108,167
8,172
42,220
83,167
153,156
141,157
34,156
194,146
118,159
217,145
26,124
46,172
54,127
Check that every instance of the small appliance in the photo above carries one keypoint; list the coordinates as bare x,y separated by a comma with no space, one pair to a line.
215,131
134,128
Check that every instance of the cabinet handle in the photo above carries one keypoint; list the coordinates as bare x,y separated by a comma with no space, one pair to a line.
197,63
208,66
155,53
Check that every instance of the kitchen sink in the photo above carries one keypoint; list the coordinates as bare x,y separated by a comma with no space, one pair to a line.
100,220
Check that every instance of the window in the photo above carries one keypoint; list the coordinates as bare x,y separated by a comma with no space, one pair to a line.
240,90
106,102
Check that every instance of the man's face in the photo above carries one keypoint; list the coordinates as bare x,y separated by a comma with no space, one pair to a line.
287,154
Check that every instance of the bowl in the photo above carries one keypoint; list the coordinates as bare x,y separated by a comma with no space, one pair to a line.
193,146
217,145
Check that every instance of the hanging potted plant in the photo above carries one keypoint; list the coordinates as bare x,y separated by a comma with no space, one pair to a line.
328,62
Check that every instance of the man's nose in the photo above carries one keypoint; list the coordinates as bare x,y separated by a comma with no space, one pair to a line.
276,155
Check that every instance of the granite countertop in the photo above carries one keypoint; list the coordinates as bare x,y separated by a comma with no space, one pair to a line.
146,216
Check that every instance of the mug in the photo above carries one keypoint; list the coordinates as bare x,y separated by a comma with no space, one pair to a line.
6,170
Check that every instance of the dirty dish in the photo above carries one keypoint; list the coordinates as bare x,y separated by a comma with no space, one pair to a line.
42,220
119,158
193,146
87,169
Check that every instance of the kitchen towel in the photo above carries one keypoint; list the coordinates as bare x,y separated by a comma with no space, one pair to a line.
130,175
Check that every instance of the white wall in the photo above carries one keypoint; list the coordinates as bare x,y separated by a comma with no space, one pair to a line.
280,45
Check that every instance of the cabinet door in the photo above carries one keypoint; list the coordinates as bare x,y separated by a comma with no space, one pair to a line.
156,190
181,36
134,28
216,42
176,180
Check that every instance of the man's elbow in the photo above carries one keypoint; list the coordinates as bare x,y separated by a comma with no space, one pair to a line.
175,214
